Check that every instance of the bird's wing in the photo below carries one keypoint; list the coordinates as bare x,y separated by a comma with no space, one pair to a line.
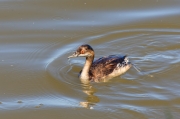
105,65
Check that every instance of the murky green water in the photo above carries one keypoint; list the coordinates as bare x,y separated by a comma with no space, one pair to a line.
37,81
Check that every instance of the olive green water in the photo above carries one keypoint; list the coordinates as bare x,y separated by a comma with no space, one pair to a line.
38,82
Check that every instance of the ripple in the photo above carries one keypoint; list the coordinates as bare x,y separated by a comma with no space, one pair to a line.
38,80
116,42
146,50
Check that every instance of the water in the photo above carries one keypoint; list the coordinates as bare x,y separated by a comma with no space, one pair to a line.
37,80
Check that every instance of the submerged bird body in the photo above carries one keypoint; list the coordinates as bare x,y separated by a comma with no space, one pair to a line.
101,69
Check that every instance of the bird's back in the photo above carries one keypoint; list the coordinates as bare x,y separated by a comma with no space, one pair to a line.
104,66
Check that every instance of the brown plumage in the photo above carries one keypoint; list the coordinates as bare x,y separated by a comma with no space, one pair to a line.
102,68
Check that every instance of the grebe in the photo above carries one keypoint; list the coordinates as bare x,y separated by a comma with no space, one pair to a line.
101,69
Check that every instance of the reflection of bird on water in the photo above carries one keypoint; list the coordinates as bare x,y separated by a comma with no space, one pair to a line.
102,68
91,99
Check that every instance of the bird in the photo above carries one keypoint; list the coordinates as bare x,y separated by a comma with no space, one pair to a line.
102,69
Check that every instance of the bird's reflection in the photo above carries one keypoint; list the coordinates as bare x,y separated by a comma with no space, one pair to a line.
91,99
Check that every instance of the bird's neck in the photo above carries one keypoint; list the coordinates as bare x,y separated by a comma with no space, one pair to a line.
84,76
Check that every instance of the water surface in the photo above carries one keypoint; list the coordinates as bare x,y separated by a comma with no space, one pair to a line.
37,81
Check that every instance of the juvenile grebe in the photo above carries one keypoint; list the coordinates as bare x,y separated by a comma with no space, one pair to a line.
101,69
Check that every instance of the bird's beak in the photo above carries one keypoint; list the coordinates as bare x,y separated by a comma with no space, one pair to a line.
73,55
